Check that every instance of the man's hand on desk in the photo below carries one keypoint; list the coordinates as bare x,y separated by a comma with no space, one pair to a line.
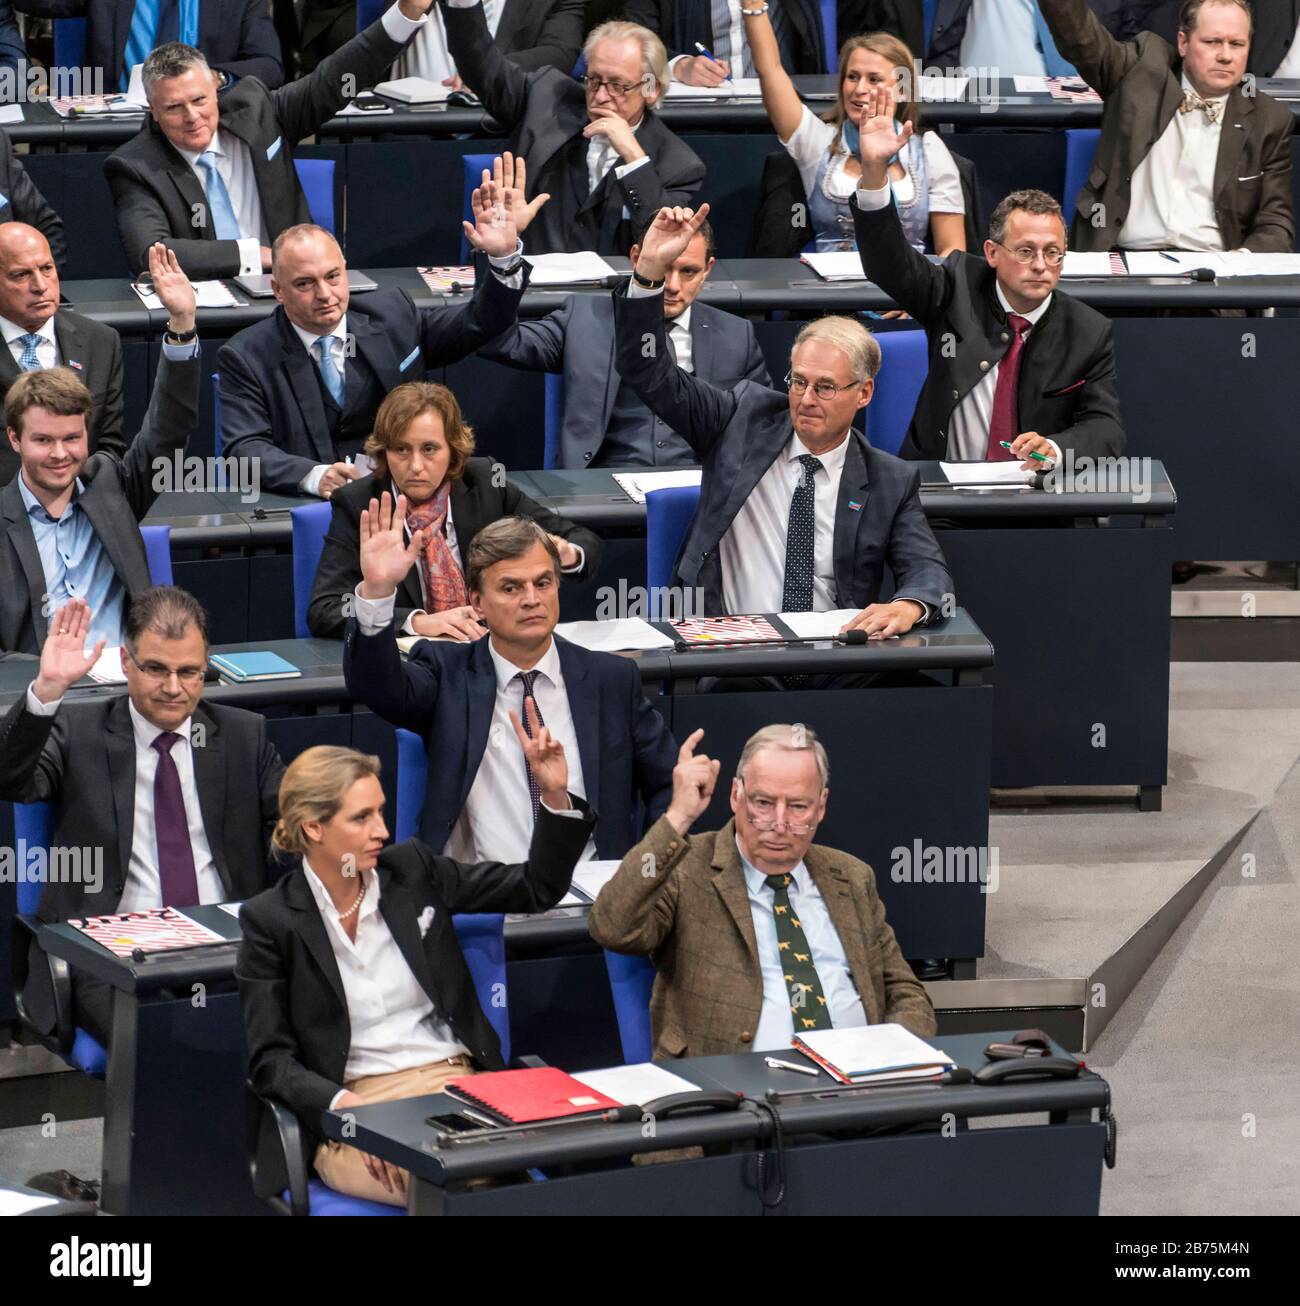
459,624
64,659
1031,442
338,475
694,779
885,620
700,70
385,554
666,239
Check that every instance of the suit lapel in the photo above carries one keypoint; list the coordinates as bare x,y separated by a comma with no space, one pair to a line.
71,346
729,881
192,194
702,338
768,444
119,744
210,780
310,925
612,381
129,565
399,911
277,199
481,700
1232,144
848,518
837,894
584,708
9,369
23,540
511,16
377,349
301,373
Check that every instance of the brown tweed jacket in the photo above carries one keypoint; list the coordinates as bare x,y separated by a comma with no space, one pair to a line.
1140,82
682,901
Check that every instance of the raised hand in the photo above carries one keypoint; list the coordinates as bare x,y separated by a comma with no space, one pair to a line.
64,659
172,287
493,229
511,174
545,757
694,779
879,141
385,554
666,239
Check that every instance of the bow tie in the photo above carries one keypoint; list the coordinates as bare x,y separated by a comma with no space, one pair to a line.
1213,110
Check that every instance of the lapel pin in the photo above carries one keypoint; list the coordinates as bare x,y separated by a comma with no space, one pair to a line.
855,505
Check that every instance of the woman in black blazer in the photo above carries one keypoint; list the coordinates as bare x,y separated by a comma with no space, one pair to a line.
421,447
353,985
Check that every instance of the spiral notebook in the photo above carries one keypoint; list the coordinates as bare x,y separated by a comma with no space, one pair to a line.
520,1097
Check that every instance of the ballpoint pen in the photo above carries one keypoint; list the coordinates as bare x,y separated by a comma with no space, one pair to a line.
1042,457
774,1064
708,54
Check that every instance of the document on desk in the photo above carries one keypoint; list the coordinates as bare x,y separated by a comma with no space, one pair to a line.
108,667
1102,264
818,625
582,267
636,1085
620,635
207,294
943,90
1032,86
738,88
10,114
1006,473
589,878
836,265
158,929
873,1053
15,1203
636,485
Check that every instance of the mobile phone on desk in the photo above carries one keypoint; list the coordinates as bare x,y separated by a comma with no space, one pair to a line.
369,102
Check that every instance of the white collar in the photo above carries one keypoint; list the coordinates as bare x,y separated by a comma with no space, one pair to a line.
146,732
683,320
12,330
832,460
216,146
322,895
1033,317
1189,89
340,332
548,664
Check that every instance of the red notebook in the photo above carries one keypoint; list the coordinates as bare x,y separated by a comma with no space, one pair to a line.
520,1097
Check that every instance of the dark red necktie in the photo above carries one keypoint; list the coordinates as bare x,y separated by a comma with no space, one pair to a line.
180,884
1005,422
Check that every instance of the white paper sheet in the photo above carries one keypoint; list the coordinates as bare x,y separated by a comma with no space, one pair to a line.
860,1050
108,667
636,1084
836,265
636,485
11,113
1079,264
231,907
1031,86
1244,263
568,269
591,877
736,89
622,635
1000,473
943,89
207,294
15,1203
818,625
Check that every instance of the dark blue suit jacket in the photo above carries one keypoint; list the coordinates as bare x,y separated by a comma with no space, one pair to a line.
445,693
738,434
577,340
12,50
680,23
237,36
271,405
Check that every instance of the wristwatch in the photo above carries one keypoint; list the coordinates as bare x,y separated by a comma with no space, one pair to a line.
180,337
645,283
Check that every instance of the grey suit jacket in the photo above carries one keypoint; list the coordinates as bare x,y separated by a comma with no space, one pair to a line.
577,340
118,493
94,352
159,197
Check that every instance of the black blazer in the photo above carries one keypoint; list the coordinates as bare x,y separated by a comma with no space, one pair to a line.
271,405
94,352
295,1011
544,113
680,23
445,692
20,201
237,36
1275,25
738,434
1068,389
476,500
82,759
119,492
158,195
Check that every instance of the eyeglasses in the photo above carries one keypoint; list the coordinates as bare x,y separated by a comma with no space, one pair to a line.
156,671
617,89
1052,256
826,390
763,817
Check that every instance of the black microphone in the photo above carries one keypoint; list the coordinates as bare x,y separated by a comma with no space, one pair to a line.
858,636
1192,274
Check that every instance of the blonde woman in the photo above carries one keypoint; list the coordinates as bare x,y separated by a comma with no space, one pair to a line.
926,183
353,985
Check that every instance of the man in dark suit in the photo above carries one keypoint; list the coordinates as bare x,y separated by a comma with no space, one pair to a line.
1031,368
237,36
681,24
1274,47
22,202
38,334
459,697
595,146
305,417
1187,159
797,512
213,176
71,518
171,800
605,424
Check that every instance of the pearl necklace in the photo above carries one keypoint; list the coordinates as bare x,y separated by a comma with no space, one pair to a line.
360,894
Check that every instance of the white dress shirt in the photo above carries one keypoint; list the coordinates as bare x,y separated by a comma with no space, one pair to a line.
600,154
1003,34
143,888
775,1022
47,352
392,1021
679,334
1172,199
235,165
1290,65
427,55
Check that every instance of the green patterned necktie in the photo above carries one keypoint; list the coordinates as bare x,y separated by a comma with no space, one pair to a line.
808,1008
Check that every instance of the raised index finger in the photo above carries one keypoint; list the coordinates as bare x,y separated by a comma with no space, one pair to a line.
687,750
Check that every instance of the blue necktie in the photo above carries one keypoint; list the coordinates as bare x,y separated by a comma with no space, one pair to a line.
29,362
224,222
329,369
140,39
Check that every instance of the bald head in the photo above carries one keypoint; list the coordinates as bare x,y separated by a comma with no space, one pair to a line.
29,281
310,278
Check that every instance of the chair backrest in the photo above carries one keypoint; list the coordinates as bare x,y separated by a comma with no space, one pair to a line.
70,45
369,11
830,32
553,418
158,550
317,178
1080,148
631,981
668,516
217,442
412,776
903,369
472,166
33,828
483,943
309,523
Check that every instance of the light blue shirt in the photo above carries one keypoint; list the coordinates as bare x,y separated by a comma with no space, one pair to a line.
76,565
775,1024
1003,34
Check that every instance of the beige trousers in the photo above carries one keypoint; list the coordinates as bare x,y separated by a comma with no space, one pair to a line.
341,1166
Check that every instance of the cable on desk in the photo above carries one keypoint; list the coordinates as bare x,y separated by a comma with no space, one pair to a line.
773,1177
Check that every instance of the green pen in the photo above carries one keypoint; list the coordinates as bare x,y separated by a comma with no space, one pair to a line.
1042,457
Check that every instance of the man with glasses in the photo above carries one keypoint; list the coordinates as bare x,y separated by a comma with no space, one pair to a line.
797,511
593,145
167,801
757,933
1016,370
